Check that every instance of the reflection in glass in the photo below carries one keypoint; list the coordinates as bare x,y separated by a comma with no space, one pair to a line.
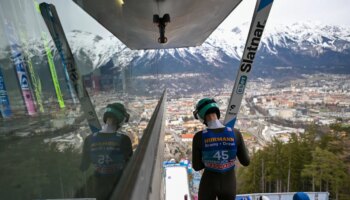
108,151
42,156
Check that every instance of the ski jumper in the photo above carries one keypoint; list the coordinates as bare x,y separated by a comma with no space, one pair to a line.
109,153
215,151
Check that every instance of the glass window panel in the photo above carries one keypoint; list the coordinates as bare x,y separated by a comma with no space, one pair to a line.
41,153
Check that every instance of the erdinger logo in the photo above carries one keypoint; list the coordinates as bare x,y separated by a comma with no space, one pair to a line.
241,84
247,61
21,73
24,81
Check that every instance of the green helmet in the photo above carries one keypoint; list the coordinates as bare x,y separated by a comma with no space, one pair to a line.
116,111
206,106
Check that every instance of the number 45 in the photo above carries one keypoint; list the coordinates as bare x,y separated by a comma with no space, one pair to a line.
221,155
102,159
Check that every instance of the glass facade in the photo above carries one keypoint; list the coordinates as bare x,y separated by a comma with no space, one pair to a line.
42,130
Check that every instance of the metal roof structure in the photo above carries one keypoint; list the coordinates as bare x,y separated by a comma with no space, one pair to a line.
131,21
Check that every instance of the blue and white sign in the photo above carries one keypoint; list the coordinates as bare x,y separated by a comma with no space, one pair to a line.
241,84
5,108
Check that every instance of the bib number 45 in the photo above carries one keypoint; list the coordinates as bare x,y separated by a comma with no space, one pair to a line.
104,159
221,155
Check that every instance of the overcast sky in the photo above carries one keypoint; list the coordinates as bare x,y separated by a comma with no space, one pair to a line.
333,12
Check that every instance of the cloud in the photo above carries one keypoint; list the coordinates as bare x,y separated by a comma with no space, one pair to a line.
334,12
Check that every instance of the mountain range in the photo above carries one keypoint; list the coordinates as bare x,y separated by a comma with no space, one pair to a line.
299,47
286,51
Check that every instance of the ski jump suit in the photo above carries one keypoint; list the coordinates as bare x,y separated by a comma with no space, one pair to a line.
215,151
109,153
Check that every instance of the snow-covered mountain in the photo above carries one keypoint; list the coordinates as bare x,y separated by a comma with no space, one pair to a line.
300,44
306,45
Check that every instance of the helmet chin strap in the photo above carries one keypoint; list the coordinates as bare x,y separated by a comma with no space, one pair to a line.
110,127
213,124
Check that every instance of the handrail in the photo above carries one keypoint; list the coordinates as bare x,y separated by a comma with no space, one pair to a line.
142,177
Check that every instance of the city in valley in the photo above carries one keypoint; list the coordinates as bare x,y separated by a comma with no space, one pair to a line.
270,109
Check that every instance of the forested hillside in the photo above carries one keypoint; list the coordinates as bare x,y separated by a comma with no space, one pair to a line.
318,160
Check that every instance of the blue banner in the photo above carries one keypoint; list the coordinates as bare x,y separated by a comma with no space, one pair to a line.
5,109
245,197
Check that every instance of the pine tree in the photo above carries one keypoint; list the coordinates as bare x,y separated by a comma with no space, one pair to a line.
314,161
